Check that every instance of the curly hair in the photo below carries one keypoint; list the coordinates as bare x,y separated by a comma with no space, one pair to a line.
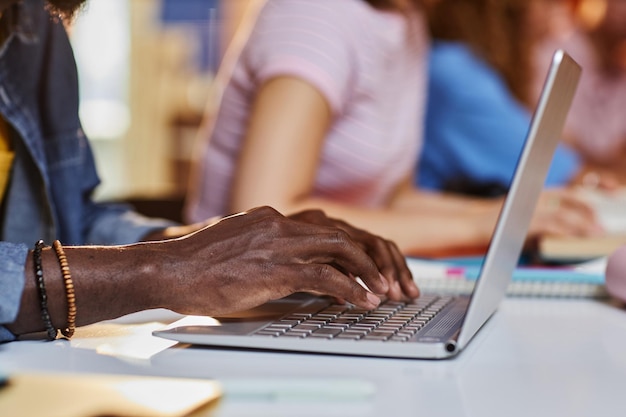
65,9
394,4
496,30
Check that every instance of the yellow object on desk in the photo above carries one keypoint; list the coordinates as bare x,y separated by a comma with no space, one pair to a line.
86,395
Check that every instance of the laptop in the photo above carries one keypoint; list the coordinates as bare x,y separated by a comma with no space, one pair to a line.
431,326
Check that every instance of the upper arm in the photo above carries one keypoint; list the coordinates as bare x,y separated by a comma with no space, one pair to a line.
301,68
278,162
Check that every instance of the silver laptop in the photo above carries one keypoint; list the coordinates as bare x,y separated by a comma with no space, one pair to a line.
430,327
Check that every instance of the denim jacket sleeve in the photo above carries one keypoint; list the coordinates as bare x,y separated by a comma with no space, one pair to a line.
114,224
12,261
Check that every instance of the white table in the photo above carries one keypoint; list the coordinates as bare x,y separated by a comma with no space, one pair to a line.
535,357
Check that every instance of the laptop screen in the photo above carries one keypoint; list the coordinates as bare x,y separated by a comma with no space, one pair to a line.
543,136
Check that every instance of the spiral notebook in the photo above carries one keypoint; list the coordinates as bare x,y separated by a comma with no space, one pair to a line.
459,276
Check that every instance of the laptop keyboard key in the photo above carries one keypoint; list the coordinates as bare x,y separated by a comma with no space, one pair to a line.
391,321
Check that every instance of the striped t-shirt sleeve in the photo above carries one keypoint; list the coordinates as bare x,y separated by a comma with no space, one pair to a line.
315,49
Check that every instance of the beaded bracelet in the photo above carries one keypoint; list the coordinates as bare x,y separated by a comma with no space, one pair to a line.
69,290
43,297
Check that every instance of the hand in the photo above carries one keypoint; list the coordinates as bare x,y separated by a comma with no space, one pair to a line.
605,180
245,260
231,265
561,212
388,258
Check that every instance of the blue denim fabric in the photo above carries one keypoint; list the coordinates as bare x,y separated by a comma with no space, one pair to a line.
53,177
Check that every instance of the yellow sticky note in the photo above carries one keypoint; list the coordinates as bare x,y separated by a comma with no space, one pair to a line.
76,395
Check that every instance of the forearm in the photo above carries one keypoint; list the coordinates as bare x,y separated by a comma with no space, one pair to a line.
108,282
413,230
437,202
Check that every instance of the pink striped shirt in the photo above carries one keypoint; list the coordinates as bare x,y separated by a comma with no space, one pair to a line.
370,66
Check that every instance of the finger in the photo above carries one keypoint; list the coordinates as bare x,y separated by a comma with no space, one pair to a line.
323,278
609,183
581,217
322,242
374,246
382,253
386,255
566,214
392,264
574,223
576,204
405,278
335,247
554,229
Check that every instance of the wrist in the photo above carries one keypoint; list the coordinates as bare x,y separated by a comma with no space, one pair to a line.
113,281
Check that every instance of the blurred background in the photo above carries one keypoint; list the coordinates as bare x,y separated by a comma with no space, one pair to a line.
146,68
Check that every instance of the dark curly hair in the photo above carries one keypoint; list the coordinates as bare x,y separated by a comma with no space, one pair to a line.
65,9
394,4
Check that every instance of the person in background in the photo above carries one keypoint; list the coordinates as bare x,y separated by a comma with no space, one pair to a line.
479,96
322,107
94,269
594,33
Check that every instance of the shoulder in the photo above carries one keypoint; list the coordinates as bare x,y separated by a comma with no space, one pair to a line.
455,60
310,30
332,21
454,69
312,12
315,40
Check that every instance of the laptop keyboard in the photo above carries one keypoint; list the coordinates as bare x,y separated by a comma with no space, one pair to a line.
390,321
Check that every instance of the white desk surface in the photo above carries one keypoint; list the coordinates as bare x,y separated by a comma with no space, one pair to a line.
535,357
